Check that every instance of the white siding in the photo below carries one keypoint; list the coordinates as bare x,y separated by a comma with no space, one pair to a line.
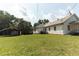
38,30
65,28
59,29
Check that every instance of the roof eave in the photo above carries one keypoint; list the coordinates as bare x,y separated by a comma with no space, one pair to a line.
55,24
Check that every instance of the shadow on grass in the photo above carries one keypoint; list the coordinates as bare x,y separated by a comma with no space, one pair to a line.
12,35
9,35
74,34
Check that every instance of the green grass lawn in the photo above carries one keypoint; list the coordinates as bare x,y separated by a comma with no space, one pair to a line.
39,45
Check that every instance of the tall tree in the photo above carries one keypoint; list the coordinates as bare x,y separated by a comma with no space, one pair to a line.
41,22
12,22
4,20
45,21
25,27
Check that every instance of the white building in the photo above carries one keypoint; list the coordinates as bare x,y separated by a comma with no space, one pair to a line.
61,26
39,28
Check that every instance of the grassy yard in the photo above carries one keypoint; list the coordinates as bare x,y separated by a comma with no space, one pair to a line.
39,45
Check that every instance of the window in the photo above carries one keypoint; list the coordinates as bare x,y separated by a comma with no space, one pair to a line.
55,28
68,27
49,28
44,29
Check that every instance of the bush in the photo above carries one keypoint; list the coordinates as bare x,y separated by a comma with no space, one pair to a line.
43,32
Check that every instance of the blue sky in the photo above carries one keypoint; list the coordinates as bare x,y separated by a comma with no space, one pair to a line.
37,11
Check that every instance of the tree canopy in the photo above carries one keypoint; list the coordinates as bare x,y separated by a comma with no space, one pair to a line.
10,21
41,22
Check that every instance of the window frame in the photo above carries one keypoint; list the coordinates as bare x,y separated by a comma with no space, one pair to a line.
68,27
54,28
49,28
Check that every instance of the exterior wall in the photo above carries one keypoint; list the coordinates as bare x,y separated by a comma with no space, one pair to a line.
59,29
74,27
38,30
65,28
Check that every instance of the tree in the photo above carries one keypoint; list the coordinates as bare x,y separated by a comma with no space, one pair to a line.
36,24
12,22
25,27
4,20
41,22
45,21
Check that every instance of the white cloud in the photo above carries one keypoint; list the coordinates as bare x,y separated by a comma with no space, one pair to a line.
68,7
61,13
49,16
11,8
22,1
54,15
14,7
13,1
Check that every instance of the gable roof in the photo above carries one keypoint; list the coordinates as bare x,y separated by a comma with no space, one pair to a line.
60,21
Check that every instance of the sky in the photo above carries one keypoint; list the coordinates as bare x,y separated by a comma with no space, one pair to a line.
34,11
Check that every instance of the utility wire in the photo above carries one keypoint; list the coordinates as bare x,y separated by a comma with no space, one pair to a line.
73,6
68,11
37,11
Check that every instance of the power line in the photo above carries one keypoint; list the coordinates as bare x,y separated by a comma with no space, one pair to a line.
69,10
23,11
37,11
73,6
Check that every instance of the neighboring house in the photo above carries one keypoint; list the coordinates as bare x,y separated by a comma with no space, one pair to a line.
8,31
62,26
39,28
